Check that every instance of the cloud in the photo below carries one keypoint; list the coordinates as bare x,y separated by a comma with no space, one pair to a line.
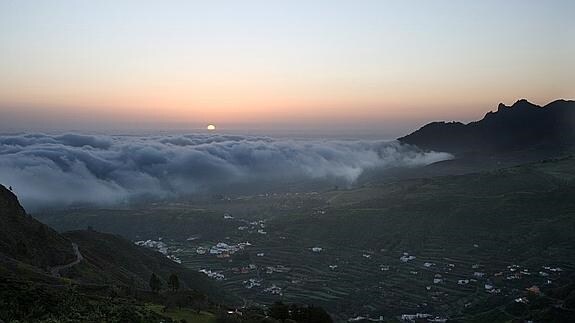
69,169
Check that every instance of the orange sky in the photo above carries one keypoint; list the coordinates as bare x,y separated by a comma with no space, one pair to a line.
270,63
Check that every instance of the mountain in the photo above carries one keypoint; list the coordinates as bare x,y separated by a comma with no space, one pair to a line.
522,126
48,276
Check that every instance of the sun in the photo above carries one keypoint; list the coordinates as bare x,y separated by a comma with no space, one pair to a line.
211,127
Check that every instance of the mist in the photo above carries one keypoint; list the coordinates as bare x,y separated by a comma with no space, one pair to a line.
48,170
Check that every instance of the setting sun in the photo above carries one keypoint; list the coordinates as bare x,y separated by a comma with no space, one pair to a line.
211,127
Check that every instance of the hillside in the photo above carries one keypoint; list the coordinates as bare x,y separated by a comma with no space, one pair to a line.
106,259
25,239
47,276
111,259
522,126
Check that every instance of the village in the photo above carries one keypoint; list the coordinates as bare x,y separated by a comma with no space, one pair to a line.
255,262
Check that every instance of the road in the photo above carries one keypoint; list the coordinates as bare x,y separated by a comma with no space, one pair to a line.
55,271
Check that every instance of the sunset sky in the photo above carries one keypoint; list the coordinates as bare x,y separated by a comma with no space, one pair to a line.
293,64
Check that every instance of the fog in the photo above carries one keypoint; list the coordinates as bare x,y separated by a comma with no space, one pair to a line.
48,170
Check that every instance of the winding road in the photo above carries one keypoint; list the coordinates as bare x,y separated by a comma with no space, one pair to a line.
55,271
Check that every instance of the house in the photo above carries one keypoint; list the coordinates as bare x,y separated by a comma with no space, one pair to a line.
174,259
414,317
251,283
523,300
534,290
224,248
159,245
212,274
406,258
274,290
525,272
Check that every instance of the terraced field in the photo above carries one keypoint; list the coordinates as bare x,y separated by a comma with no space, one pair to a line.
351,281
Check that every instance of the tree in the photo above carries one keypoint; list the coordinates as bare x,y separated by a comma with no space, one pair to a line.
155,283
309,314
174,282
279,311
318,315
131,290
198,302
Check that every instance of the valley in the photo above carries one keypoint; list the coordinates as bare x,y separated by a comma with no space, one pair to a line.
460,247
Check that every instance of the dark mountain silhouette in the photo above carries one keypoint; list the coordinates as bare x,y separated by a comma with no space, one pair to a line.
522,126
25,239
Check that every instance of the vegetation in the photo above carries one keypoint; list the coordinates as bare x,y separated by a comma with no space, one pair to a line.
174,282
155,283
183,314
30,302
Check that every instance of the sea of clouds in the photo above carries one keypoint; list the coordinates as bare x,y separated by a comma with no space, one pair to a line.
48,170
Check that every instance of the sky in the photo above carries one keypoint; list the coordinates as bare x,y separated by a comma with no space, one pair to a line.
356,66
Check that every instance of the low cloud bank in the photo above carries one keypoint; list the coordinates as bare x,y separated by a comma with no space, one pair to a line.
62,170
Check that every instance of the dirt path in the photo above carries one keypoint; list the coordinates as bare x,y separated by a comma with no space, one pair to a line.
55,271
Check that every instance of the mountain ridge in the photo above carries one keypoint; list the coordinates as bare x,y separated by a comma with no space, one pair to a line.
521,126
